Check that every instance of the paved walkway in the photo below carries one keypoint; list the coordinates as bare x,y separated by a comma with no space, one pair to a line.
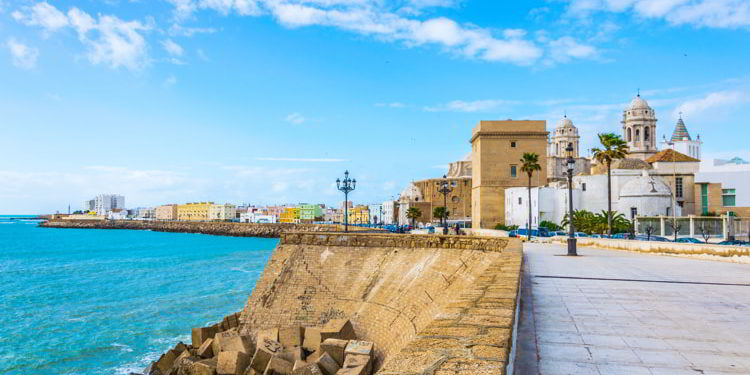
664,315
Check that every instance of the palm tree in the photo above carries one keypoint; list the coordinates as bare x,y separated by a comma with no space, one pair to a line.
530,164
440,213
413,213
613,148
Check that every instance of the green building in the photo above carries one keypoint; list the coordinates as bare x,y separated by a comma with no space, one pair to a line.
310,212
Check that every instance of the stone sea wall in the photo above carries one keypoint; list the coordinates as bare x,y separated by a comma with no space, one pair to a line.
214,228
735,254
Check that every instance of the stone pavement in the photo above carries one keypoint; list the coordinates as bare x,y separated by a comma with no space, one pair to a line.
663,315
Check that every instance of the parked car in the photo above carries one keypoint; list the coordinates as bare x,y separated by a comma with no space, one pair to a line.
735,243
580,234
641,237
688,240
622,236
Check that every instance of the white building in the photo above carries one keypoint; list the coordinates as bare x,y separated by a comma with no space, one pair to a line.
146,213
683,142
389,211
547,204
222,212
375,213
117,214
103,203
253,217
734,177
408,197
88,205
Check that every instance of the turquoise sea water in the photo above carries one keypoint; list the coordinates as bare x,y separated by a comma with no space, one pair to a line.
78,301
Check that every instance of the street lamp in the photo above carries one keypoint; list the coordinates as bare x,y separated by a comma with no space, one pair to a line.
347,185
571,237
381,215
445,190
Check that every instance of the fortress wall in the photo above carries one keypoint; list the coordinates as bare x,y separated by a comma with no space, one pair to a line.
396,289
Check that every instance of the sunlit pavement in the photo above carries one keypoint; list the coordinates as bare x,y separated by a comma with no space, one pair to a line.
660,314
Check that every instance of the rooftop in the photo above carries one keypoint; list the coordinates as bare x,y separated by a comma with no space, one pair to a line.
670,155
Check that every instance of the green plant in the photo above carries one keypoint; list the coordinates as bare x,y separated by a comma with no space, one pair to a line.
613,148
440,213
552,227
506,228
530,164
413,213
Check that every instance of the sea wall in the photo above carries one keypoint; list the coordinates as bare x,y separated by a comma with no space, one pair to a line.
737,254
431,304
214,228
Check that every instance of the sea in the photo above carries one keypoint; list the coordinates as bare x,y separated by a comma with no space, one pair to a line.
89,301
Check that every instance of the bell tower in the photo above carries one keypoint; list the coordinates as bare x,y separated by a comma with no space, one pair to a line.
639,128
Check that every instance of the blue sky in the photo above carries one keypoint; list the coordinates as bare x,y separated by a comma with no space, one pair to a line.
269,101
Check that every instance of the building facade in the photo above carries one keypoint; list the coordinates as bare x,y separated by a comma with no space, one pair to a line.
564,135
390,212
457,201
166,212
376,213
497,148
197,211
257,218
290,215
310,213
103,203
722,187
222,212
359,214
639,128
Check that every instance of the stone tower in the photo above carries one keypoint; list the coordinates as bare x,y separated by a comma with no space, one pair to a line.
639,129
565,133
683,142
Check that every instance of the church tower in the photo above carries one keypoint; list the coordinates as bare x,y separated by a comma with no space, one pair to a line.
683,142
565,133
639,129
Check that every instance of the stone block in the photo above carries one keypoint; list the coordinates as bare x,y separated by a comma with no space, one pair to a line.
278,366
309,369
269,333
357,360
292,354
205,367
263,354
237,343
291,336
361,370
359,347
202,334
206,350
232,321
327,364
335,348
223,339
232,363
180,347
311,341
166,361
298,364
313,356
338,329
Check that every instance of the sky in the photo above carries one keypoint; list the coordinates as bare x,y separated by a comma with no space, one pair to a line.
269,101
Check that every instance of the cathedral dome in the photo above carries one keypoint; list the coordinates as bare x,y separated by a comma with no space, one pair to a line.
645,186
565,122
411,194
638,103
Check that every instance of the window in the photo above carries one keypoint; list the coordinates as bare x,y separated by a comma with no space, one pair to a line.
583,186
453,183
513,172
728,197
637,135
520,200
633,212
678,187
513,144
704,198
645,133
630,135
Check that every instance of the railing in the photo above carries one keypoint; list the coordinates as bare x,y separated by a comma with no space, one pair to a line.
695,226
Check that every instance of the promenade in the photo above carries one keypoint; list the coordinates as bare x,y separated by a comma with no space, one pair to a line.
616,312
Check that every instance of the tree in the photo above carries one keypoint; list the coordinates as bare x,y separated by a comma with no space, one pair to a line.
613,148
530,164
440,213
413,213
506,228
550,226
705,232
676,226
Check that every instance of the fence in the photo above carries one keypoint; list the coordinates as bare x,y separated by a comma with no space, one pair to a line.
694,226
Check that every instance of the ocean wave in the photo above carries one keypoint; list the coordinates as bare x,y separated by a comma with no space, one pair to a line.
240,270
123,347
138,365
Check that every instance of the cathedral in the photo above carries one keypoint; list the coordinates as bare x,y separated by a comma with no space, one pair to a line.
564,135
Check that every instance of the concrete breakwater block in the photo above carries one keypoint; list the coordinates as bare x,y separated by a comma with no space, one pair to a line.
292,350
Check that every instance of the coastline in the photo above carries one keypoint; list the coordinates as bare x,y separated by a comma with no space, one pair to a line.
211,228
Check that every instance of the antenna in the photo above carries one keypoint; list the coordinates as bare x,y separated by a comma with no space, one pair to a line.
639,92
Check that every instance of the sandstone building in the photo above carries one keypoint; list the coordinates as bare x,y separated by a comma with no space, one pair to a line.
639,128
564,135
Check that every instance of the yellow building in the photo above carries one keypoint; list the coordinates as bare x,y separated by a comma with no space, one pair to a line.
290,215
359,215
198,211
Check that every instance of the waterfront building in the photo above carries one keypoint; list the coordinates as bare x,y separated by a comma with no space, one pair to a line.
359,214
117,214
221,212
375,213
722,187
166,212
197,211
639,128
258,218
682,142
390,212
564,135
497,148
103,203
309,213
290,215
678,171
330,215
146,213
88,205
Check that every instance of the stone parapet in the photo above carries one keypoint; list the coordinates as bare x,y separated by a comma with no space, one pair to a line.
740,254
394,241
213,228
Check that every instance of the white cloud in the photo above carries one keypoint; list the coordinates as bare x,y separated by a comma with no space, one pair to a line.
294,118
699,13
179,30
711,101
391,105
566,48
109,40
472,106
172,48
170,81
305,160
23,56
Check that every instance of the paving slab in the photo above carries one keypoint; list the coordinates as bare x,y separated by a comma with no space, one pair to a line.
616,312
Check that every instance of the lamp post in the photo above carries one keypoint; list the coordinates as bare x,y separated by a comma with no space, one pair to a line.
381,215
571,237
445,190
347,185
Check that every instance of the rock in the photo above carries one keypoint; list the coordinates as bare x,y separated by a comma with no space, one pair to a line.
252,371
311,341
338,329
263,354
299,364
205,367
293,354
206,350
335,348
313,356
180,347
202,334
357,360
361,370
232,363
291,336
232,321
309,369
184,364
278,366
166,361
222,339
359,347
269,333
327,364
